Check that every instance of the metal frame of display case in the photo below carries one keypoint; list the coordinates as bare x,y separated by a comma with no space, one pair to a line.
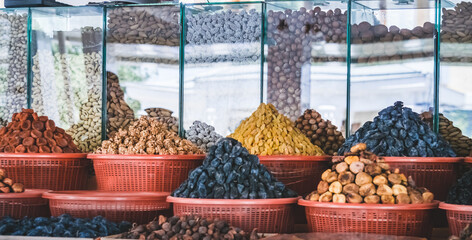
182,66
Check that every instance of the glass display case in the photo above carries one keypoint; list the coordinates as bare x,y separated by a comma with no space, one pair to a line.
306,52
143,63
222,57
392,57
455,86
13,62
66,67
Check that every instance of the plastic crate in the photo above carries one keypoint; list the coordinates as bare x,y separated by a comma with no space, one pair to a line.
299,173
437,174
143,173
267,215
55,171
27,204
135,207
387,219
458,216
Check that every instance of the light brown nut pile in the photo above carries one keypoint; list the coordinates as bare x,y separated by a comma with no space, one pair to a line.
30,133
144,25
147,136
165,116
456,28
7,185
321,133
120,115
362,177
462,145
267,132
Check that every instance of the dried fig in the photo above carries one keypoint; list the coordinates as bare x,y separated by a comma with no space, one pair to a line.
403,198
333,176
363,178
322,187
346,177
428,197
5,189
373,169
341,167
379,180
358,147
326,197
399,189
356,167
384,189
339,198
354,198
372,199
335,187
395,178
351,188
350,159
387,199
18,188
367,189
8,181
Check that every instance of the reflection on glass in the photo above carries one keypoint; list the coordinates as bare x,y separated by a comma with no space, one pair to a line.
222,68
143,63
392,57
67,70
13,62
455,93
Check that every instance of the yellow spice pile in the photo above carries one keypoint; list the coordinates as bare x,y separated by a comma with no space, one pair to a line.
147,136
267,132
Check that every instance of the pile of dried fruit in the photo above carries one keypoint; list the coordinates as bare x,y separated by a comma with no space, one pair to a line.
321,133
7,185
165,116
187,227
202,135
230,172
461,192
62,226
28,132
361,177
462,145
398,131
267,132
147,136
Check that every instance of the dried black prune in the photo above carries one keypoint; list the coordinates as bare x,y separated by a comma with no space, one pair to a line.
461,192
398,131
230,172
62,226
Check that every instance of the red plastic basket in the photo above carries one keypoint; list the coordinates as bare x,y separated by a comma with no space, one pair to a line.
55,171
458,216
437,174
299,173
143,173
387,219
138,207
468,160
19,205
267,215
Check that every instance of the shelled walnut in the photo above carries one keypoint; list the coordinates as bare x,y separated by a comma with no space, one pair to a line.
7,185
368,180
147,136
321,133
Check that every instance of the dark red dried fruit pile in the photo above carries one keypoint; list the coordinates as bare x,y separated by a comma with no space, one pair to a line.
30,133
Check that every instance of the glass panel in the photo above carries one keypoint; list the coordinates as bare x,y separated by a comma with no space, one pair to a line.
13,62
392,57
142,63
222,71
306,58
455,93
67,70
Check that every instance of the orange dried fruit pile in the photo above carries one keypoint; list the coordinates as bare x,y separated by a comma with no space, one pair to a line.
29,133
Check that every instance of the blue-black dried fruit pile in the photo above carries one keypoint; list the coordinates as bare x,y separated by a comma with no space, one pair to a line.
62,226
461,192
398,131
230,172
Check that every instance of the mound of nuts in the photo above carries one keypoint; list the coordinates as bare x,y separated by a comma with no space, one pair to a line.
322,133
147,136
267,132
362,177
188,227
461,144
30,133
165,116
7,185
120,115
202,135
